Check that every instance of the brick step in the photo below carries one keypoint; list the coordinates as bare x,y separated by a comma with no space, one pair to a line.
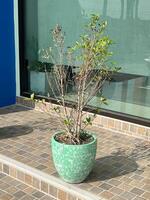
13,189
47,184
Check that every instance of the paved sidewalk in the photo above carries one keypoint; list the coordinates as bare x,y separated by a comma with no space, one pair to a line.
11,189
122,168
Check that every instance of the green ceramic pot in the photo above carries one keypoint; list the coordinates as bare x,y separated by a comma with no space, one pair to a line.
73,162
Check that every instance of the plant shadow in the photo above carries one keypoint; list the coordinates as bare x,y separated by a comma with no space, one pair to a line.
121,162
110,167
13,109
14,131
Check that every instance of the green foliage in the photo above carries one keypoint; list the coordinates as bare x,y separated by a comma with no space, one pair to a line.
38,66
93,55
103,100
88,121
32,96
68,121
57,109
95,43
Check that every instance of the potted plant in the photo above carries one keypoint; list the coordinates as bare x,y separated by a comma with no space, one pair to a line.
38,78
74,148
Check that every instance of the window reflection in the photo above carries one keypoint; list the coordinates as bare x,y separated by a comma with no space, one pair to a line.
128,20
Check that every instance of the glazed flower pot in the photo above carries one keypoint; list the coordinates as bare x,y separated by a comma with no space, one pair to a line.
73,162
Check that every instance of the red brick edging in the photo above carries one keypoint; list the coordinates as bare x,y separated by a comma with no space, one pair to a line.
120,126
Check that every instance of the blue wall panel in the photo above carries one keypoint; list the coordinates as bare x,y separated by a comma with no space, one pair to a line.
7,54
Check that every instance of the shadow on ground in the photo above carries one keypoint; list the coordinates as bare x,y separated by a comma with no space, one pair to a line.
47,124
119,163
112,166
14,131
13,109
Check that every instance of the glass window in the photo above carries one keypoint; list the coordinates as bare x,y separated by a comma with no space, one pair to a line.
128,26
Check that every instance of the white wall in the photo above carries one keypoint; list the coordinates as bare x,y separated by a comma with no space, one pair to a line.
16,29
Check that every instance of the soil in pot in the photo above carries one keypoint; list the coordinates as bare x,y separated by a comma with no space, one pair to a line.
85,138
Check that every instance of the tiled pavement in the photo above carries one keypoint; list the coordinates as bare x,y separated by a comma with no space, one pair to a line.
11,189
122,168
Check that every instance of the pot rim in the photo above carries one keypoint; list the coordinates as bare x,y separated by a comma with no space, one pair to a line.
73,145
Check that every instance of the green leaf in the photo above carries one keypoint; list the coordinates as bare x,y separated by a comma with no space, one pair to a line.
67,122
32,96
88,121
104,100
57,109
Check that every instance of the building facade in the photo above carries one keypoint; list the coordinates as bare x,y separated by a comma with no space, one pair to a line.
128,26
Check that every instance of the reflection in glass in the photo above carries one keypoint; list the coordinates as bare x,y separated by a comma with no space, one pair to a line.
129,91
